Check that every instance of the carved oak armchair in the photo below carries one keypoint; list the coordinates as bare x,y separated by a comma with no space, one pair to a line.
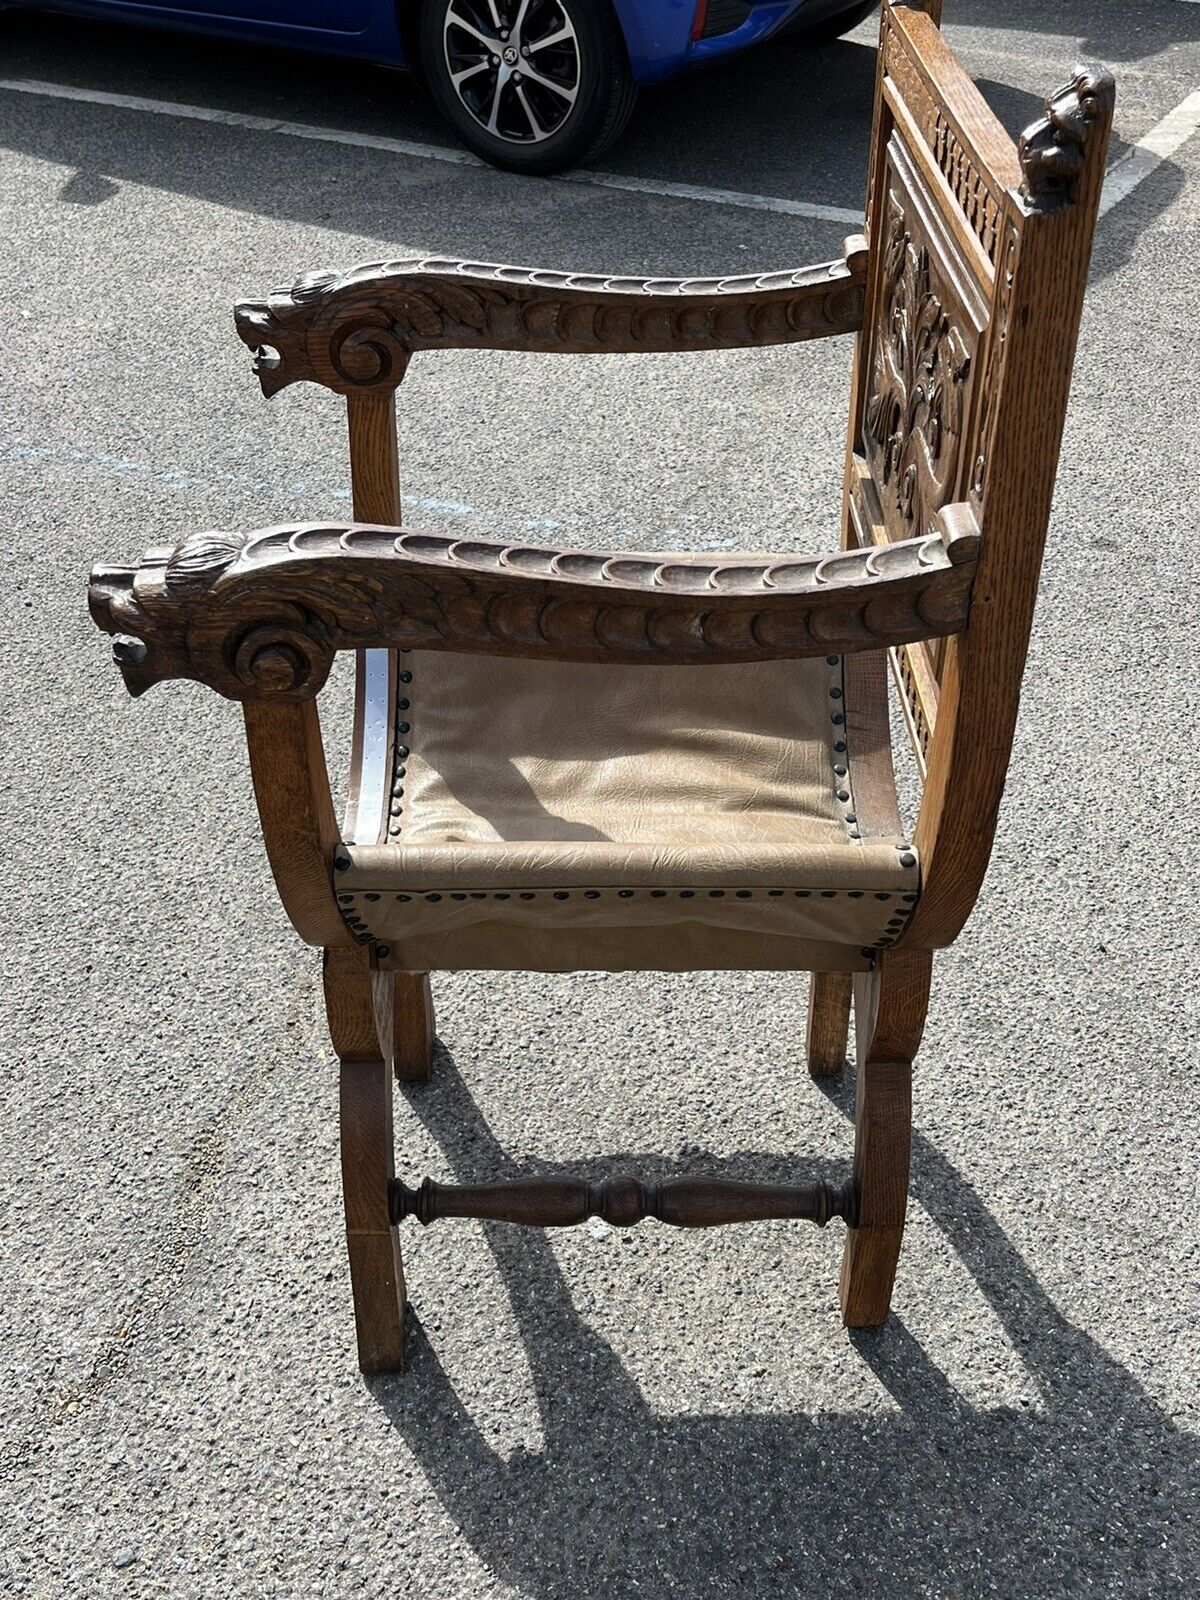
524,793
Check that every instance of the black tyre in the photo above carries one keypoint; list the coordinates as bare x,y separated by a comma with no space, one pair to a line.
536,86
834,27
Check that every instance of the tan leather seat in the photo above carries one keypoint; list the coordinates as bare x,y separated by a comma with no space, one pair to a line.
558,817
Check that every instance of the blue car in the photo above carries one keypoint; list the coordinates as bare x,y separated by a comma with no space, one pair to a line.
533,85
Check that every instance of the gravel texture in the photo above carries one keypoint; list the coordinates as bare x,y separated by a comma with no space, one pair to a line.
592,1415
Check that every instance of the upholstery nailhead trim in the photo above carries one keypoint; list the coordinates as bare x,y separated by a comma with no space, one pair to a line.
843,791
624,894
844,781
897,922
403,729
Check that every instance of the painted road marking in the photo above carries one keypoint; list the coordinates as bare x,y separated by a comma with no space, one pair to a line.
1150,151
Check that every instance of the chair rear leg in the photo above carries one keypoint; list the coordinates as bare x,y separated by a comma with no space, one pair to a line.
359,1004
889,1012
412,1031
828,1022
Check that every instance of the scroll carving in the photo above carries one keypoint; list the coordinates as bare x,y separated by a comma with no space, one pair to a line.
357,330
262,614
1053,149
920,365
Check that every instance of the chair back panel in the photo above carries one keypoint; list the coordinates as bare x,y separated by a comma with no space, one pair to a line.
940,169
978,256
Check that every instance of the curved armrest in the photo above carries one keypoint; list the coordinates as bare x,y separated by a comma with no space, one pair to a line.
262,614
356,330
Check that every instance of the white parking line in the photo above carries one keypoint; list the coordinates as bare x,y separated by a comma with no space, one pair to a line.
1150,151
1126,173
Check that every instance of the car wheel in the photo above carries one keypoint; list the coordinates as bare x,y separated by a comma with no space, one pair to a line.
833,27
536,86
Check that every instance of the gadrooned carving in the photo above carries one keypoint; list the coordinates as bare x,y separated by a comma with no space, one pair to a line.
356,330
267,620
919,369
1053,149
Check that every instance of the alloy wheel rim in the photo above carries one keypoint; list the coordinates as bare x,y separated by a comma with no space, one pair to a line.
513,65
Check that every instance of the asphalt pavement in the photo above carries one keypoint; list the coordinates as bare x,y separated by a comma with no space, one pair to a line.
591,1415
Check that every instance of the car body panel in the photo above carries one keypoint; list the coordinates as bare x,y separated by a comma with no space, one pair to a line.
657,32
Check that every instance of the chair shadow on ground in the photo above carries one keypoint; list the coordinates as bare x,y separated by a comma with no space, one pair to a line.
784,120
1081,1492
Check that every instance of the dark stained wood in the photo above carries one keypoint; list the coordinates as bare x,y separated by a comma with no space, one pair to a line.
828,1022
262,615
889,1017
358,1005
357,330
681,1202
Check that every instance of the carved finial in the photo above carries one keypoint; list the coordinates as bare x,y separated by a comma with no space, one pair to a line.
1053,149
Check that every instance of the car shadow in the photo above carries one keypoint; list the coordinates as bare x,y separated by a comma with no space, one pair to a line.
783,121
1074,1493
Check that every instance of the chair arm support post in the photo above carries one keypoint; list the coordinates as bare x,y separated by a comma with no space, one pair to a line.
291,786
355,331
260,616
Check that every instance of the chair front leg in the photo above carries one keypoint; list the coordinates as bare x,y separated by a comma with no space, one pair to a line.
359,1004
828,1022
889,1013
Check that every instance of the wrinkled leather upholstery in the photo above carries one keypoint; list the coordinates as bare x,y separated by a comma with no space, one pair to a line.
554,817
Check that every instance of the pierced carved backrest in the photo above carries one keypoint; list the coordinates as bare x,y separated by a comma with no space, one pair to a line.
979,250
